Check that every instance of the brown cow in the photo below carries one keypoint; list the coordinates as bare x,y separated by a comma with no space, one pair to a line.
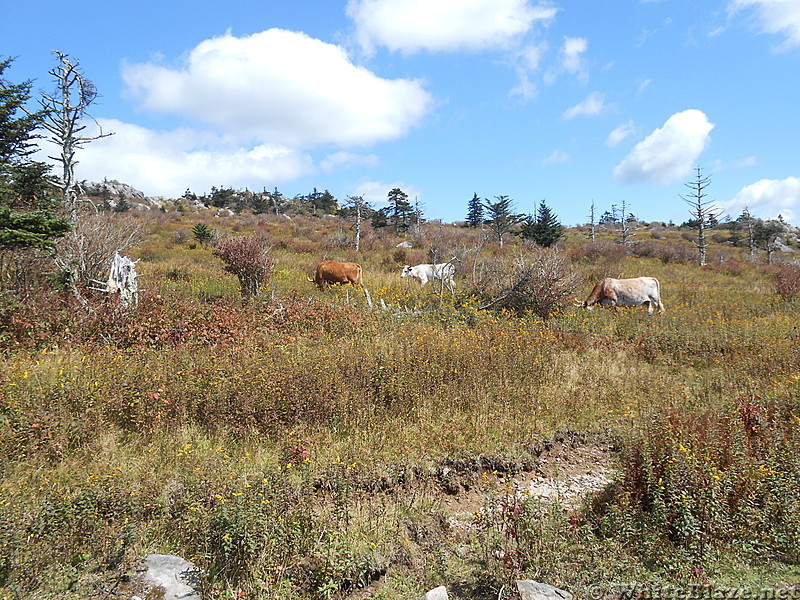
332,272
627,292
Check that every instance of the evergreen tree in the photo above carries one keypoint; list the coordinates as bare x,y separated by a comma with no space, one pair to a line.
202,233
122,204
500,216
380,218
23,182
36,229
765,234
400,210
323,202
475,212
543,228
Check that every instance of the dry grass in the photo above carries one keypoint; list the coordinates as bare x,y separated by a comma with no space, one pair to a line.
288,445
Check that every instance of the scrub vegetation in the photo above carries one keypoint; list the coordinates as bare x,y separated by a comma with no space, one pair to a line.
297,444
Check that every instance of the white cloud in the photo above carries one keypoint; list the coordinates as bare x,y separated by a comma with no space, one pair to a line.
775,17
768,198
592,105
571,60
377,193
740,163
668,154
345,160
557,157
281,87
616,137
572,56
166,163
444,25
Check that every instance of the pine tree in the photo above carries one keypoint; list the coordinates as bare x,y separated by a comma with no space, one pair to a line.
202,233
23,182
36,229
500,216
543,228
400,210
475,212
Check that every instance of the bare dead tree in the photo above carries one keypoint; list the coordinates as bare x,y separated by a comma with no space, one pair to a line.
360,207
703,211
627,230
64,114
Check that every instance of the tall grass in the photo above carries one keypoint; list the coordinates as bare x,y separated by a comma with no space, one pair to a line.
294,446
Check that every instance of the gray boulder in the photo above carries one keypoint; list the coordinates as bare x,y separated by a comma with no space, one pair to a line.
533,590
172,576
439,593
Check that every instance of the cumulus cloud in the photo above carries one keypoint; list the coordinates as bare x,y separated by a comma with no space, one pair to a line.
377,192
775,17
443,25
557,157
668,154
345,160
616,137
280,87
768,198
166,163
592,105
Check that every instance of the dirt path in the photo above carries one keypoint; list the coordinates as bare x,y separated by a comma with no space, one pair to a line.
565,470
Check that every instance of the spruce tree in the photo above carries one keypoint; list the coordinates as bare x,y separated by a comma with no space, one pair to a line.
500,216
400,210
543,228
23,182
475,212
36,229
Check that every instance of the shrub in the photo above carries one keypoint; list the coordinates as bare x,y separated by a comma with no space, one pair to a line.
714,479
540,281
787,282
248,258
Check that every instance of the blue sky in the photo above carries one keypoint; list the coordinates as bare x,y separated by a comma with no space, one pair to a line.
570,101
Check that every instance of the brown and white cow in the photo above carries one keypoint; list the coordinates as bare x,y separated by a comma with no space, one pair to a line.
627,292
332,272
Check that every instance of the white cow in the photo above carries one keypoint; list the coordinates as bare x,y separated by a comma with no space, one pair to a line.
627,292
443,272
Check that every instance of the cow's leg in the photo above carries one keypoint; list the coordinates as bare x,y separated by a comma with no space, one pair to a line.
649,306
608,303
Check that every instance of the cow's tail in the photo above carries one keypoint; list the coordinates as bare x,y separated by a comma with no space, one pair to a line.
660,300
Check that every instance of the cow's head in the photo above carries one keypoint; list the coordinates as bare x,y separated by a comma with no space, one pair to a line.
406,271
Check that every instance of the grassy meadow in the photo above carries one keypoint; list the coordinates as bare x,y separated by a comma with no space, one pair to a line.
302,446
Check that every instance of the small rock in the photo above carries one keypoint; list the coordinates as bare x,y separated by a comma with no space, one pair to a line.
533,590
176,577
439,593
